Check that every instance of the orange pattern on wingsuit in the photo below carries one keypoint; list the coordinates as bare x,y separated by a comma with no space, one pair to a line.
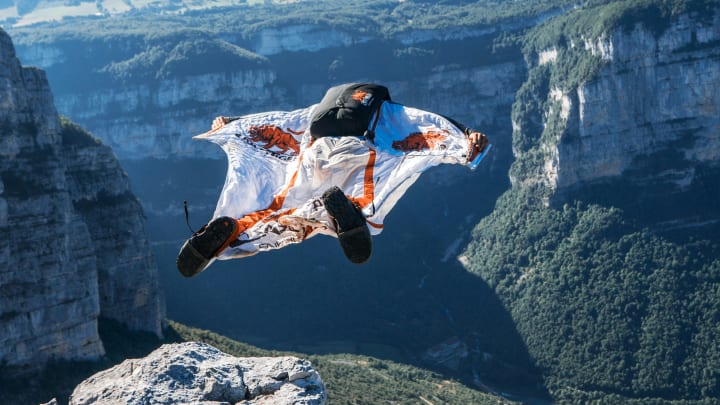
270,213
419,141
368,188
359,95
271,136
249,220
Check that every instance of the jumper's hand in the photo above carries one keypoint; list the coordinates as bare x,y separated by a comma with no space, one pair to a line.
478,140
219,122
478,143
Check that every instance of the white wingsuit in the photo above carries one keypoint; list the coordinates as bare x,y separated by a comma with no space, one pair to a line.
277,172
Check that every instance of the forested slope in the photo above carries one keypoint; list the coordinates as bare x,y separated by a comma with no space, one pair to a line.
606,309
613,280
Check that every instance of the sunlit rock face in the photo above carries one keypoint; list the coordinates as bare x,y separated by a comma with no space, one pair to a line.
148,116
655,94
72,236
158,119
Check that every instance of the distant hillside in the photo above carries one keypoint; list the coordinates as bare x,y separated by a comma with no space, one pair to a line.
388,14
610,312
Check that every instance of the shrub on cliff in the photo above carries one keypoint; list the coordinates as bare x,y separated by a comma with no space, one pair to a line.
73,134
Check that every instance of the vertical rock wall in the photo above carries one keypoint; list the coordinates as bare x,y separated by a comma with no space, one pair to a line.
72,237
656,92
127,276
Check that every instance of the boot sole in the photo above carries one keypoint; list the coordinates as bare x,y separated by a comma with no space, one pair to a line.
352,230
198,252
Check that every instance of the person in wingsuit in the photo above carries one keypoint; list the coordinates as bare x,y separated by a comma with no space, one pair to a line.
334,168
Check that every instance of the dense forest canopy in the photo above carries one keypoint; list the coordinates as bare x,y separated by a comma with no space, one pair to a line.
605,307
374,17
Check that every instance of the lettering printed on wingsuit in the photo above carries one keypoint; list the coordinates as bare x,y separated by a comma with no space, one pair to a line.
288,235
419,141
278,143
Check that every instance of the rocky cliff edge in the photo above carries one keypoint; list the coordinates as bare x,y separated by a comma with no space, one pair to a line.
194,373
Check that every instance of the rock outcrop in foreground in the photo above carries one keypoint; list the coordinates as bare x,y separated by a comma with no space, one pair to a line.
193,372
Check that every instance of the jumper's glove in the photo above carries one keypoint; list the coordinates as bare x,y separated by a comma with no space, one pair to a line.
478,143
219,122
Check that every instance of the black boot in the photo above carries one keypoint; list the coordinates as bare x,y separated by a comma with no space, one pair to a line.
198,251
352,231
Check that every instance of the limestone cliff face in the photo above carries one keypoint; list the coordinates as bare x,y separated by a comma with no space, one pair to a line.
128,286
72,238
143,122
157,120
305,37
654,93
157,116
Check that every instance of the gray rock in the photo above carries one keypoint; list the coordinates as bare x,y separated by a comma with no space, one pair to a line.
73,245
655,92
196,373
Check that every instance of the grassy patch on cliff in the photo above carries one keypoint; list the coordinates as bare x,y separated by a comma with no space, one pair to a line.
171,60
599,17
73,134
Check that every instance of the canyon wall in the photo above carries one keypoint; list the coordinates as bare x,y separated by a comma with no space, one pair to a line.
72,235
